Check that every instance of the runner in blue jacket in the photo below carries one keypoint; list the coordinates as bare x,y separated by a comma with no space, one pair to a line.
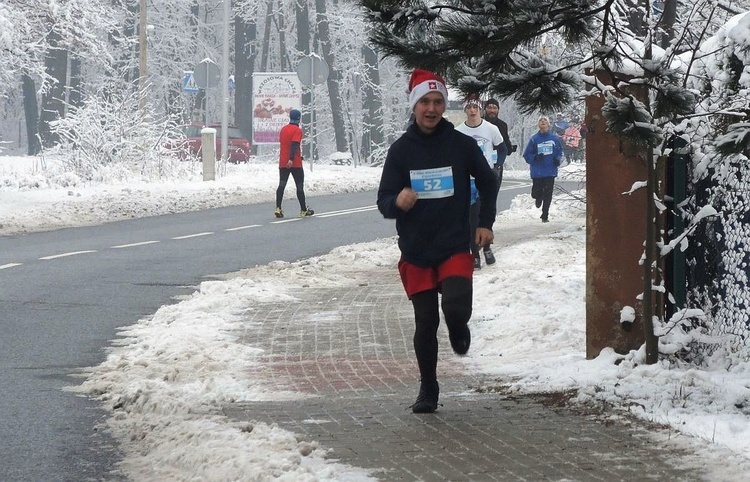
544,154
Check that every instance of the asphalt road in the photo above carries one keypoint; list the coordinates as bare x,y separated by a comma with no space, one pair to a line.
64,293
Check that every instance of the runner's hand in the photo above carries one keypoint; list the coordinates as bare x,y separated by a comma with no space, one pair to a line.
406,199
484,237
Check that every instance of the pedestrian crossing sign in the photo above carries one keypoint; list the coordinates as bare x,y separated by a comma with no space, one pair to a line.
188,83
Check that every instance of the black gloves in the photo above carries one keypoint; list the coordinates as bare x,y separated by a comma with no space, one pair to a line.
539,157
513,149
557,162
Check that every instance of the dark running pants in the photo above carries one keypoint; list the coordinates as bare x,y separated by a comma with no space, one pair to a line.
298,174
542,188
456,304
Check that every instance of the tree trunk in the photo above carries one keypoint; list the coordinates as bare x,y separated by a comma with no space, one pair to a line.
303,46
122,62
244,65
31,113
636,16
372,122
334,78
266,37
199,113
53,96
283,54
668,19
196,113
75,96
650,263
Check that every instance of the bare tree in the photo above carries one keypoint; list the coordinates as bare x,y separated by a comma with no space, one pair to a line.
372,121
304,47
31,114
53,95
244,61
334,77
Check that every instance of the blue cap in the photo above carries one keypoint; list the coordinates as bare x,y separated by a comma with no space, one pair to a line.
294,116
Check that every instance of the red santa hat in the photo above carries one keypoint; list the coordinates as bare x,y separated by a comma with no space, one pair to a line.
422,83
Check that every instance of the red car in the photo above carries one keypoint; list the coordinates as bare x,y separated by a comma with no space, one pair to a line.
238,149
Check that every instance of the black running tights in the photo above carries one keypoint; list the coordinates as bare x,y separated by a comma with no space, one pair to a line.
542,188
456,305
298,174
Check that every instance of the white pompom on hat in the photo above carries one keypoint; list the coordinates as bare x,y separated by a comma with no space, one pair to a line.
423,82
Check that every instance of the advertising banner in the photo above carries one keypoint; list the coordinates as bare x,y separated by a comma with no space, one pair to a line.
274,95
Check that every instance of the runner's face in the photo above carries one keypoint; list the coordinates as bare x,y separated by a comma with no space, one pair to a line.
428,111
472,113
491,110
543,126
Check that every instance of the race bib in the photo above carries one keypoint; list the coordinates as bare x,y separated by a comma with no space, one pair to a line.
432,183
545,148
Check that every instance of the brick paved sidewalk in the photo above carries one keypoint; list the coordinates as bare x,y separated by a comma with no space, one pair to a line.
352,348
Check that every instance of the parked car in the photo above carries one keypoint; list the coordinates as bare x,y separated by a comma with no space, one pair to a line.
238,148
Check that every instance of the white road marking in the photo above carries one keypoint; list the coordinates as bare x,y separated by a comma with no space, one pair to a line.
131,245
63,255
520,185
208,233
347,211
196,235
239,228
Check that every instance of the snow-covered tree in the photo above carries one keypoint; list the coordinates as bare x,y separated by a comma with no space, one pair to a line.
58,53
645,49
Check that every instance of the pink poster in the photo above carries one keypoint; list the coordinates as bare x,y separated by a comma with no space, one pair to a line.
274,95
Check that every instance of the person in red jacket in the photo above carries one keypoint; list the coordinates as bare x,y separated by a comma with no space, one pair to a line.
290,162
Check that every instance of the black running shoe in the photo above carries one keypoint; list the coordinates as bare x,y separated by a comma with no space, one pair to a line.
538,203
489,257
477,263
427,400
460,337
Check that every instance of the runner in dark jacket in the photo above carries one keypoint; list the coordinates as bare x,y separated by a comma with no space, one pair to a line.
435,229
425,186
491,111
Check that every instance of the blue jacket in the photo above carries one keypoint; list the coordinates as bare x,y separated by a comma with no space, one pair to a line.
437,227
550,148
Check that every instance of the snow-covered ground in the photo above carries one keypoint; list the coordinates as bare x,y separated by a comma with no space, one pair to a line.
528,327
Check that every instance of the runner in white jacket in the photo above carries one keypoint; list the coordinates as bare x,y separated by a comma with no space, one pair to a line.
488,137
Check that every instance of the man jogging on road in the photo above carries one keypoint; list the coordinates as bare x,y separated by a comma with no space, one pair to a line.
290,162
425,187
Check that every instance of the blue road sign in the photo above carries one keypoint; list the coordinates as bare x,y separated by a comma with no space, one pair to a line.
188,83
